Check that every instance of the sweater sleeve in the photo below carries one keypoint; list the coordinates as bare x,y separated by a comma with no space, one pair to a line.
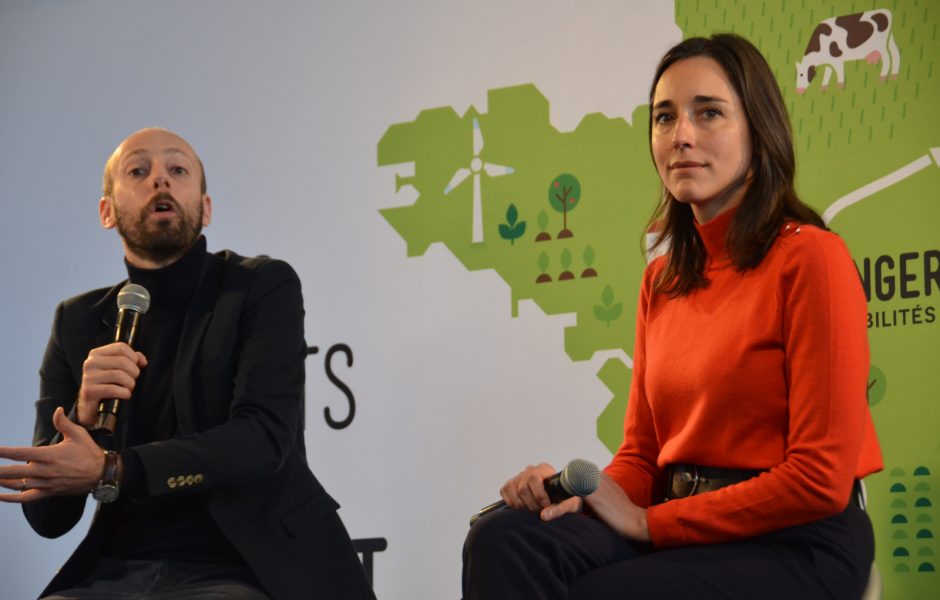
826,365
633,467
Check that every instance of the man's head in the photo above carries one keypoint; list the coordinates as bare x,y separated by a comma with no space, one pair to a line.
154,193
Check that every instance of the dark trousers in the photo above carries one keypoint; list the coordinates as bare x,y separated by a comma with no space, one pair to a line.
511,554
118,579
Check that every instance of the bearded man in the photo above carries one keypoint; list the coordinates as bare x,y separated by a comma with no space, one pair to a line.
203,488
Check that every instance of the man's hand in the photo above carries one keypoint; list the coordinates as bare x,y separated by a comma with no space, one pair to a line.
109,372
70,468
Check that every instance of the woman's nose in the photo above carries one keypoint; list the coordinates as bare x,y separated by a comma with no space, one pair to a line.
684,133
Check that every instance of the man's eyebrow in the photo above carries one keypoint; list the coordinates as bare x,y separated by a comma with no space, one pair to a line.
146,151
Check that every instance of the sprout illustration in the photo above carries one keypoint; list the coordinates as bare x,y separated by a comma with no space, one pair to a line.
543,235
543,268
588,263
608,310
512,229
564,194
565,264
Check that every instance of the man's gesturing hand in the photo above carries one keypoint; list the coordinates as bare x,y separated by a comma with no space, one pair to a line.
70,468
109,372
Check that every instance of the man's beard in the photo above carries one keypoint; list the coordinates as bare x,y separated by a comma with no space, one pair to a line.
166,239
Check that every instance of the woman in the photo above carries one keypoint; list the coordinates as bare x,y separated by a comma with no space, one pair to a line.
747,426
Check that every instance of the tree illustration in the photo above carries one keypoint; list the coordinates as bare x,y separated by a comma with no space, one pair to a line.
608,310
543,235
588,263
564,194
565,264
543,267
512,229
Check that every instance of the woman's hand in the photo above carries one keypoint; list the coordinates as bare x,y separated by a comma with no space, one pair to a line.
527,491
611,505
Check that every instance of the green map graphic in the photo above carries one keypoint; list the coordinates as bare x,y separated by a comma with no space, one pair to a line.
499,169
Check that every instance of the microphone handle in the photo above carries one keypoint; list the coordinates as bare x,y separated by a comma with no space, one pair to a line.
108,409
490,508
557,489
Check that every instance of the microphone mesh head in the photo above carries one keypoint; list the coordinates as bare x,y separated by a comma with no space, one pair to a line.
580,477
134,297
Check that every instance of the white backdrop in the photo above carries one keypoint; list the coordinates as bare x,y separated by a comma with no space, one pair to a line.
286,102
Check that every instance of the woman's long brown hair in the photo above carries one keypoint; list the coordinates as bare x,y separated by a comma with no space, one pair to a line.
770,198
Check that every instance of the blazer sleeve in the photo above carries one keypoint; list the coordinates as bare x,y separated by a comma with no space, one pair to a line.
53,517
247,382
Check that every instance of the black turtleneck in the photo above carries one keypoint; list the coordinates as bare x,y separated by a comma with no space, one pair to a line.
174,528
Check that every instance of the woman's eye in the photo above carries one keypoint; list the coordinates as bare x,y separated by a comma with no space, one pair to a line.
662,118
179,170
137,172
711,113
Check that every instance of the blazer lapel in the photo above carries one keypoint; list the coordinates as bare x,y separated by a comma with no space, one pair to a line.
194,327
108,307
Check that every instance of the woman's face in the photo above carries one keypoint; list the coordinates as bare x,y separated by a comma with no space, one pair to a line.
700,140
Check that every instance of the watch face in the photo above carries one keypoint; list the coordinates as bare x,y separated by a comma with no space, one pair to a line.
106,492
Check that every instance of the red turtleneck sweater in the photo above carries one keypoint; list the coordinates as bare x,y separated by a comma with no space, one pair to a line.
763,369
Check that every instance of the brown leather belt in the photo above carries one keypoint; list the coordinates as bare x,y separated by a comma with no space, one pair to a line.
687,480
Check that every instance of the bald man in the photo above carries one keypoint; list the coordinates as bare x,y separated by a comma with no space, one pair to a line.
203,489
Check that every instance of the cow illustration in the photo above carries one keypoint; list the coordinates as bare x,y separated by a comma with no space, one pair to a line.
849,37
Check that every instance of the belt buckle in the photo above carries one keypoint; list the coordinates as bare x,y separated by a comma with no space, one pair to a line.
688,476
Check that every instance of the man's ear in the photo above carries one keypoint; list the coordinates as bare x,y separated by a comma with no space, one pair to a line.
106,212
206,210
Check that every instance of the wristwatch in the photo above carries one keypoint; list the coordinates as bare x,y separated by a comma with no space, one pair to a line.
108,489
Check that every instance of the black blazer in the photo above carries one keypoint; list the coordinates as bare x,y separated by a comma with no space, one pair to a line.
239,393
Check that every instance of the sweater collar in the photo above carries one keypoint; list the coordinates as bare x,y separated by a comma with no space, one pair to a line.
714,233
172,286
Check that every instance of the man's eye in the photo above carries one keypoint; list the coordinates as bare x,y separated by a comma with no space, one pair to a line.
179,170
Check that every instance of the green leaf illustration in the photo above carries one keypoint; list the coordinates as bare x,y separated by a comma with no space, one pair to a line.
589,256
608,310
512,230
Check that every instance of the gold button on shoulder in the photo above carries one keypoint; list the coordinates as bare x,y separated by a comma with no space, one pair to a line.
189,480
181,481
171,483
198,478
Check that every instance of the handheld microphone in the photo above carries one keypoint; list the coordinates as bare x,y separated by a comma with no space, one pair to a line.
579,478
133,300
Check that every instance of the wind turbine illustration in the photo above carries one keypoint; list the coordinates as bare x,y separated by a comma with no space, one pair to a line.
476,166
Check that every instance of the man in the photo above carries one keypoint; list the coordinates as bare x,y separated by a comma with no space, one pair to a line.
215,498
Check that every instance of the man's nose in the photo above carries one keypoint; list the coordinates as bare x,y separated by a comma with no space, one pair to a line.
160,180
